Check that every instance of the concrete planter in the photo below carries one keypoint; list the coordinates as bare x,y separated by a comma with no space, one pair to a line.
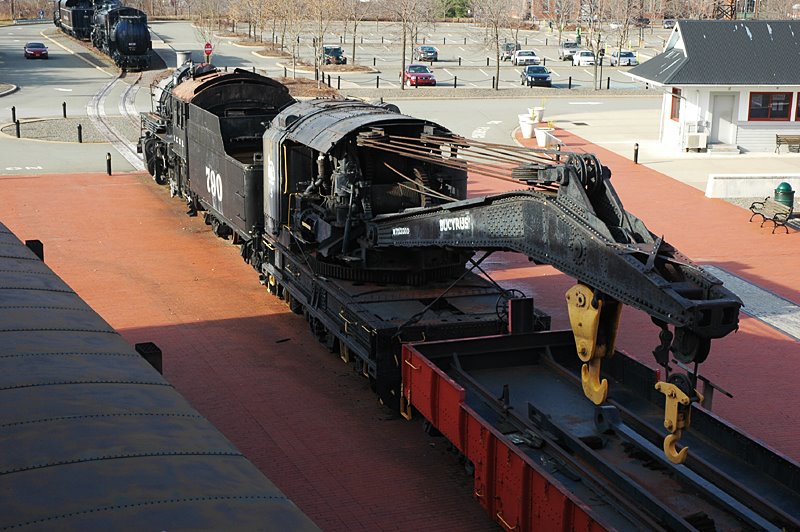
537,113
526,128
544,137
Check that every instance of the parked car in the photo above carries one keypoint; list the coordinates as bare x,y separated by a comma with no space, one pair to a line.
525,57
508,49
566,50
624,58
333,55
641,22
425,53
583,58
669,23
536,75
417,75
34,50
614,25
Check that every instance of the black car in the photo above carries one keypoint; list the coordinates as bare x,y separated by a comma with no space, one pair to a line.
426,53
536,75
333,55
34,50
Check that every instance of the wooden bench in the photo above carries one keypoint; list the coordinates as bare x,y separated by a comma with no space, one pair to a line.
792,141
771,211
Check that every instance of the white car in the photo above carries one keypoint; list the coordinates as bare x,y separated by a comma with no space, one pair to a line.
583,58
525,57
625,58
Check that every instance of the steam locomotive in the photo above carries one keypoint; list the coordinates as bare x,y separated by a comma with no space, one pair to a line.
357,216
118,31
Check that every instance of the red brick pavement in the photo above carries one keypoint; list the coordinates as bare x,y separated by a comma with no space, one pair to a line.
237,354
300,415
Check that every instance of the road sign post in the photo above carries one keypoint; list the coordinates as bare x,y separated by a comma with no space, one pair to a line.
208,49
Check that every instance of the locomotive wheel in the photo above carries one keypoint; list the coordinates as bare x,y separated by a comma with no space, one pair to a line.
150,156
317,329
292,303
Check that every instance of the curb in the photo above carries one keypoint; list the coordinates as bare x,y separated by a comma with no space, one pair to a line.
13,88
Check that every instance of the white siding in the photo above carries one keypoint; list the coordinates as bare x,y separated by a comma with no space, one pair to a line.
755,136
760,136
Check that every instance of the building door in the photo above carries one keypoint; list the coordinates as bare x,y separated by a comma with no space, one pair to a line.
723,128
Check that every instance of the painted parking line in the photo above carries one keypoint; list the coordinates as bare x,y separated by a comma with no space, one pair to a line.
761,304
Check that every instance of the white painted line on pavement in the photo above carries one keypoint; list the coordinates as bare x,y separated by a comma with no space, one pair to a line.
585,103
63,90
447,71
484,73
763,305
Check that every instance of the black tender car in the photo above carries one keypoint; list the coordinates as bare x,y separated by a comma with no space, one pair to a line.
333,55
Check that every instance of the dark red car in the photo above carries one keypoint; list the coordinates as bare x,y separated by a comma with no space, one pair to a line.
34,50
419,75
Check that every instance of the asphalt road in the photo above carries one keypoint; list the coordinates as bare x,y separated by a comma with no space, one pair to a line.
73,76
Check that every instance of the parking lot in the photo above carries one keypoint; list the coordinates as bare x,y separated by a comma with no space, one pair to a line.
466,58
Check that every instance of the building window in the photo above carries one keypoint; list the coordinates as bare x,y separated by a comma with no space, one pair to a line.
770,105
675,111
797,112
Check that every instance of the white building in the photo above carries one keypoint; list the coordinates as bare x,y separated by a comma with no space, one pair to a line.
730,83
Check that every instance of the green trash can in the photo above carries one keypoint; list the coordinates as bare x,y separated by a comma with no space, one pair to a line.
784,194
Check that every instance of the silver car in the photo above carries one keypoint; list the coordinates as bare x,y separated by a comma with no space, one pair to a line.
624,58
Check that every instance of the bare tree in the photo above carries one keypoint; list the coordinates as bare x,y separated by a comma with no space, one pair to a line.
207,15
319,13
494,15
624,12
561,12
288,21
355,12
403,12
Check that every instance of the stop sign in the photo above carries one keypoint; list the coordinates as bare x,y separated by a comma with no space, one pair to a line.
208,48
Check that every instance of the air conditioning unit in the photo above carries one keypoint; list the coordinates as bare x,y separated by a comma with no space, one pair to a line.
696,141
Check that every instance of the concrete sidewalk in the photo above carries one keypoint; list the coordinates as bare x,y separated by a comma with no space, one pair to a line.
619,131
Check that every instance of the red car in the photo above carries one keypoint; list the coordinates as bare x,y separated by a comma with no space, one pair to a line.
419,75
34,50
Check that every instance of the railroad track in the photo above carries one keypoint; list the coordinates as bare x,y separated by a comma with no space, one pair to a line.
611,457
95,109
